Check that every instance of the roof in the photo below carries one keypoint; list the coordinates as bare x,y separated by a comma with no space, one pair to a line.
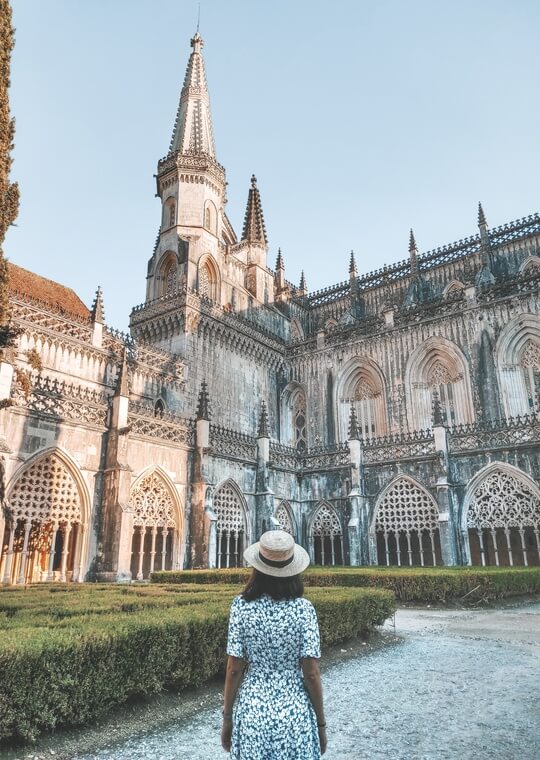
47,291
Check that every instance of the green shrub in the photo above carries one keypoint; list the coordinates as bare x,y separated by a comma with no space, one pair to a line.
68,654
414,584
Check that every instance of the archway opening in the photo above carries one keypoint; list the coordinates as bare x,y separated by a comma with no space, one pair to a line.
327,537
231,527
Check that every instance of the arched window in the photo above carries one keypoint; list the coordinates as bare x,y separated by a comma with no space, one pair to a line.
294,417
45,533
454,290
327,537
407,526
438,365
362,385
169,213
154,526
208,279
159,408
283,516
299,422
210,217
518,362
168,275
503,519
231,528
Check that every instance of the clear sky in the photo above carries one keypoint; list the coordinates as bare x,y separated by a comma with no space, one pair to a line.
360,119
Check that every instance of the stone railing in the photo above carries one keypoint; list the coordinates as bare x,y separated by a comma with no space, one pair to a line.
231,444
63,401
494,434
47,317
326,458
283,456
401,446
167,427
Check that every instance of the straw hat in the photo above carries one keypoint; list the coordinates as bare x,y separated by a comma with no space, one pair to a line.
276,554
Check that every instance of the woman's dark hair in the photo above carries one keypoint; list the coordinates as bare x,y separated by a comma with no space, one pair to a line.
278,588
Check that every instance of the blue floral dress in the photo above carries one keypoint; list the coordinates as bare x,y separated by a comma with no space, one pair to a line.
273,718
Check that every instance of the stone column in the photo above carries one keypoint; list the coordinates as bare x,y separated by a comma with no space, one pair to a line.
24,553
199,521
65,552
264,497
9,553
50,573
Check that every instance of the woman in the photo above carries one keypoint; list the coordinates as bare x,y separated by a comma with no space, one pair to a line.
273,633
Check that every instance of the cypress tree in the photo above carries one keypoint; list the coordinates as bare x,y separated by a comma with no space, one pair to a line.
9,192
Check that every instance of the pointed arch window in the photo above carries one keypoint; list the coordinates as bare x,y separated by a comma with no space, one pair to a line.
503,521
299,422
327,537
363,387
231,527
208,280
154,528
283,516
440,380
407,526
530,362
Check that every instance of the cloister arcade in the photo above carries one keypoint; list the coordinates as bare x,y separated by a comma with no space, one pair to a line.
502,517
231,528
406,524
326,536
156,524
47,510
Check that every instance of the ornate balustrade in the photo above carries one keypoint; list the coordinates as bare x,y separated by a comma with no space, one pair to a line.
493,434
169,426
63,401
232,444
326,458
400,446
283,456
48,317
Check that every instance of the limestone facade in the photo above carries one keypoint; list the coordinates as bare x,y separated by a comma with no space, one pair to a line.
392,418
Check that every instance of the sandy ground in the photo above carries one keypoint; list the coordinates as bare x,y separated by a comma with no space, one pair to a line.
443,685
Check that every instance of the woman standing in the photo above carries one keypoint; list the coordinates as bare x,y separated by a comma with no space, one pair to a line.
273,633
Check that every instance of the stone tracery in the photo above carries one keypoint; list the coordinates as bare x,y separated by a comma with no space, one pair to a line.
406,524
230,526
283,517
327,537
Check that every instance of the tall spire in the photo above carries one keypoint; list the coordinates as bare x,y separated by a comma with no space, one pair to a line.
481,216
193,133
303,284
413,253
254,230
279,260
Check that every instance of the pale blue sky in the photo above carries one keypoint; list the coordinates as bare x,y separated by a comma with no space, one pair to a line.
360,120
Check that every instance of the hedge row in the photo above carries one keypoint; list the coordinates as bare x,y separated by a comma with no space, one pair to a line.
68,655
427,584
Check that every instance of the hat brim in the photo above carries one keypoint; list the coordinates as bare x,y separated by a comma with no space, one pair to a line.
298,565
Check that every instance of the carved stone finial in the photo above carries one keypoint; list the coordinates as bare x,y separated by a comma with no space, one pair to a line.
197,42
354,433
413,253
437,414
303,284
279,260
353,271
98,310
203,405
481,216
262,430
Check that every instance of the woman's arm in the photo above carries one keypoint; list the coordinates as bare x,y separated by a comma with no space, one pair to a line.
312,682
233,678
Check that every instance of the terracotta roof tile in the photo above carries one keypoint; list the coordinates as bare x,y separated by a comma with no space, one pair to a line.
50,292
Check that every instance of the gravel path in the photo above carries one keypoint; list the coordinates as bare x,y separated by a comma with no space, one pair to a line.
458,685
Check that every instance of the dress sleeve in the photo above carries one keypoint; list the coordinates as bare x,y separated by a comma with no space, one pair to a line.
311,644
235,640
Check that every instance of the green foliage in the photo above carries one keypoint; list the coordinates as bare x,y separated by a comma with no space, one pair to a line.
414,584
70,653
9,193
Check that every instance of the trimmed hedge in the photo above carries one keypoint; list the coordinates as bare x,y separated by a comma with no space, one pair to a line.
69,654
427,584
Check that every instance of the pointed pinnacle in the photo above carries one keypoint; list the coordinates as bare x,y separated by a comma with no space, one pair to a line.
98,310
413,253
352,265
279,260
412,242
354,433
254,229
438,414
303,286
203,410
262,431
481,216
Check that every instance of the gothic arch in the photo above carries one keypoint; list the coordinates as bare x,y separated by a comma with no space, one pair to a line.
438,365
208,278
294,416
453,288
297,331
326,536
362,383
517,358
169,212
47,534
285,518
530,265
232,530
210,217
167,275
405,524
157,523
501,517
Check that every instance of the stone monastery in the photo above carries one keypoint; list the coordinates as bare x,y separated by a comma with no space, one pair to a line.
390,419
